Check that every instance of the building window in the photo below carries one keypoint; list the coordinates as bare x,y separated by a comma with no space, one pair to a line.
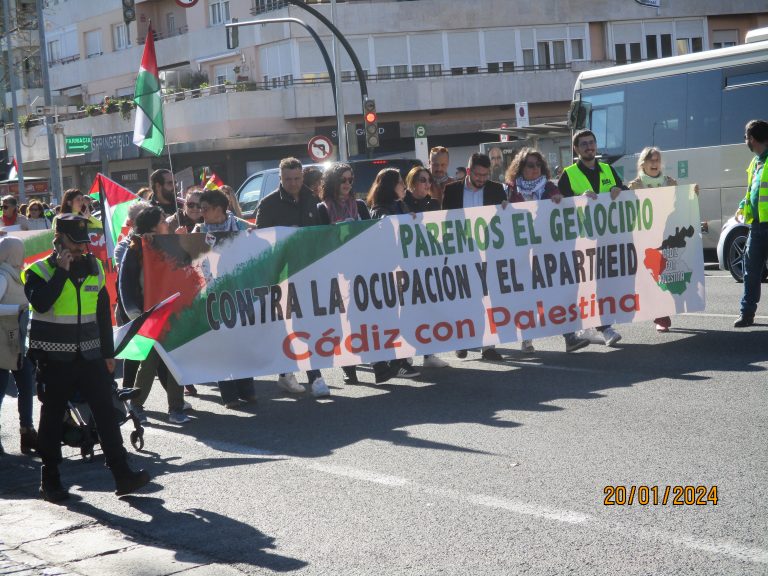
626,53
577,49
658,46
724,38
93,43
54,50
120,36
383,72
528,62
551,54
219,12
223,73
435,69
170,23
689,45
419,71
457,71
401,71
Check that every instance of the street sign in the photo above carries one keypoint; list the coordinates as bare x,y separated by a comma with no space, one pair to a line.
419,131
521,109
320,148
82,144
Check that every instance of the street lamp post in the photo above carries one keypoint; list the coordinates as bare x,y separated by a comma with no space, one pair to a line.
341,127
52,152
14,103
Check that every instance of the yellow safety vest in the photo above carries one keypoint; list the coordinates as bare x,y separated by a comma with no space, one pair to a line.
70,326
762,194
580,183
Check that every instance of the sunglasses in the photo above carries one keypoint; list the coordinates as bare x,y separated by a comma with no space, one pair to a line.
194,205
347,180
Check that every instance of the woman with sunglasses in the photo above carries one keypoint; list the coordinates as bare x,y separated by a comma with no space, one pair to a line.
36,216
418,184
339,203
528,180
189,215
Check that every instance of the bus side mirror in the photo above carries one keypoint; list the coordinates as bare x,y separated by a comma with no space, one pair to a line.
578,114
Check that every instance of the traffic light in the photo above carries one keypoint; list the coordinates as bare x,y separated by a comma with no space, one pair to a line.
129,11
371,124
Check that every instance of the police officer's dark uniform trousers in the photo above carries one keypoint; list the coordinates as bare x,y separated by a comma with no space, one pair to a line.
70,336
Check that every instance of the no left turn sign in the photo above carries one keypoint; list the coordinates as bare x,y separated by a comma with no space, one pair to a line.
320,148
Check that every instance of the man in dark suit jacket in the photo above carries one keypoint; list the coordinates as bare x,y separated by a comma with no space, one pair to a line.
475,190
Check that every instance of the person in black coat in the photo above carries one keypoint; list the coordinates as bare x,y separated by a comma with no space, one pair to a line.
474,191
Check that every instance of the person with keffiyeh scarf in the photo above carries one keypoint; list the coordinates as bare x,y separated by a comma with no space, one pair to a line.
527,180
649,175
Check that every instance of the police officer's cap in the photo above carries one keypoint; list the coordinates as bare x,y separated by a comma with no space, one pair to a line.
73,226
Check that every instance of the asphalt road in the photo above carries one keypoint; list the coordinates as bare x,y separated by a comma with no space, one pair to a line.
479,468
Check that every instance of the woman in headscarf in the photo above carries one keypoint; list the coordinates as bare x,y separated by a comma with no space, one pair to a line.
14,302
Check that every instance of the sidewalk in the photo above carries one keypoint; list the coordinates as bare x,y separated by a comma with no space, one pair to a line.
42,539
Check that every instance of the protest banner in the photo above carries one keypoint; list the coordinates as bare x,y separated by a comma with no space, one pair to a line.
287,299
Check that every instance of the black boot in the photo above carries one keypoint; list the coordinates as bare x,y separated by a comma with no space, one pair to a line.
28,440
127,481
350,375
51,489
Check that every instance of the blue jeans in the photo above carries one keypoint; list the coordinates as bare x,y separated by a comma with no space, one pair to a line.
755,253
25,383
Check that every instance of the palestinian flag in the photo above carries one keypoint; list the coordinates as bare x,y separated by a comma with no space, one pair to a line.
115,201
148,129
214,182
135,340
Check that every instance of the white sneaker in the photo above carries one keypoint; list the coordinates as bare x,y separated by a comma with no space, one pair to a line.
320,388
611,337
592,335
431,361
527,346
289,384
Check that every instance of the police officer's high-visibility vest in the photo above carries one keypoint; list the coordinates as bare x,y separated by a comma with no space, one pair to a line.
580,183
70,325
762,194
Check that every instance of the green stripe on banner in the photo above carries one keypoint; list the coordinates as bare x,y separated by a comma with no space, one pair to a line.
39,243
137,349
287,257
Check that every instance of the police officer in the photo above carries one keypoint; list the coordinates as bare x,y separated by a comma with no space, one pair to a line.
754,211
70,340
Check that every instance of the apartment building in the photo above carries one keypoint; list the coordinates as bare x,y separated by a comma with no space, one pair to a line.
455,67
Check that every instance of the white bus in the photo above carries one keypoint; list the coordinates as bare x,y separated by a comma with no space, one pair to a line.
692,107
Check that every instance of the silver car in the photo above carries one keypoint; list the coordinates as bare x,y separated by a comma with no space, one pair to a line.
731,249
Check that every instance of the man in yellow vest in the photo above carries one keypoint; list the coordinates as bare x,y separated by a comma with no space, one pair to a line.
70,341
590,177
754,210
